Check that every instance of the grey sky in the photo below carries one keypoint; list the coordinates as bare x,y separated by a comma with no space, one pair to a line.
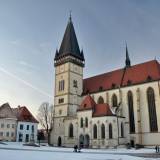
30,32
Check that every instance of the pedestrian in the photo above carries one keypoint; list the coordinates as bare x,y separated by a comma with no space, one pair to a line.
75,148
156,148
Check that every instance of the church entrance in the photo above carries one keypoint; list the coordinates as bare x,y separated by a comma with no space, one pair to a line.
81,141
59,143
86,141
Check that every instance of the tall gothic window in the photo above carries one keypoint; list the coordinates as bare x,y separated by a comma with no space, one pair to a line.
61,85
103,131
95,131
122,130
81,122
100,100
131,112
70,130
110,131
86,122
114,101
152,110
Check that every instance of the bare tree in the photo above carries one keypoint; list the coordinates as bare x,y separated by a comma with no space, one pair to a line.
45,117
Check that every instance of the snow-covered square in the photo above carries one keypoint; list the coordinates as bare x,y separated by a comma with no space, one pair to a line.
16,151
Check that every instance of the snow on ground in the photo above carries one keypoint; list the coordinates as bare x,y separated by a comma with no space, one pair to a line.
16,151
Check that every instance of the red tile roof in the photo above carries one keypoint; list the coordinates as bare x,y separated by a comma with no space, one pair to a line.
87,103
102,110
135,74
97,109
23,114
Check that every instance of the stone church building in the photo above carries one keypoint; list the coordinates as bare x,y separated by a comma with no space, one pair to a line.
115,108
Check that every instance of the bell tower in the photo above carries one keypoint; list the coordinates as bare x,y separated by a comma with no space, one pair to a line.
69,63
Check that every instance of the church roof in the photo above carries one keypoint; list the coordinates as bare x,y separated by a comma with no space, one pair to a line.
102,110
87,103
69,45
136,74
97,109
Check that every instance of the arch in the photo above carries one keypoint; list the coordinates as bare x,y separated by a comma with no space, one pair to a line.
81,141
95,131
152,110
131,112
86,122
86,141
114,100
100,100
70,133
122,130
81,123
102,131
59,142
110,131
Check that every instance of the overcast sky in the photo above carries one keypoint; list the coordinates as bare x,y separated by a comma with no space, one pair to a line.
31,30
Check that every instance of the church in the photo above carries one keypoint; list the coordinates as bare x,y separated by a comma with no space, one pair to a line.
116,108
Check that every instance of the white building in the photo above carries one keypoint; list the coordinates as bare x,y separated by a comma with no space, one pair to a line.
115,108
27,125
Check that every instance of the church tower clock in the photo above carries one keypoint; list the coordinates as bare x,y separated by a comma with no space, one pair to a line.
69,63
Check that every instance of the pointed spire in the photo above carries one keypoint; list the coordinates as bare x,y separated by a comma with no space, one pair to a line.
69,45
56,54
128,62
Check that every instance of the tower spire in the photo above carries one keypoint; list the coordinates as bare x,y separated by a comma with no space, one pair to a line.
128,62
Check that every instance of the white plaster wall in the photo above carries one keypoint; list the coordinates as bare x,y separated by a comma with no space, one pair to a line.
25,131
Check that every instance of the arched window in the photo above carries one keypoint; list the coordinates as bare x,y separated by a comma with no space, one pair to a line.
81,122
110,131
152,110
131,112
122,130
86,122
70,130
95,131
100,100
114,101
103,131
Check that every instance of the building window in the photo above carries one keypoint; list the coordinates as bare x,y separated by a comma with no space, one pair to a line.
110,131
114,101
131,112
100,100
27,127
86,122
20,139
71,130
152,110
1,134
61,100
2,125
21,126
27,138
8,125
103,131
13,126
12,134
81,122
75,84
32,128
95,131
61,85
7,134
122,130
